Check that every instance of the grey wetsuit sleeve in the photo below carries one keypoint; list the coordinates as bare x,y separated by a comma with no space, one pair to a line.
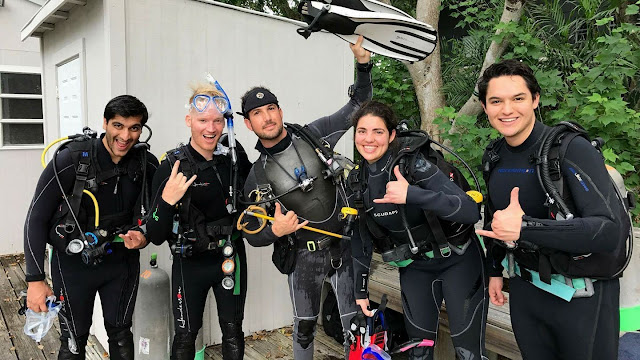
46,199
266,236
433,191
332,127
596,226
495,252
361,252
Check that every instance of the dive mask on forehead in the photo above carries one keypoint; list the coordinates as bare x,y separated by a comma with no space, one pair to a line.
202,101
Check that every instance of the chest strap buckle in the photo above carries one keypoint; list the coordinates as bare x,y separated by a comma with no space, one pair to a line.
311,245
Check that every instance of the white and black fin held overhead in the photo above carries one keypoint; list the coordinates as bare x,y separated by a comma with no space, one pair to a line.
386,30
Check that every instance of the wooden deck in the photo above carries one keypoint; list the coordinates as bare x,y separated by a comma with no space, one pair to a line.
385,279
277,344
14,344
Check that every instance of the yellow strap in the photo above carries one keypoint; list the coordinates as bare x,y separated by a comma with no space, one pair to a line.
243,226
262,215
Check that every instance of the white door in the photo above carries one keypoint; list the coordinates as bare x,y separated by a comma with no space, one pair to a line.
70,98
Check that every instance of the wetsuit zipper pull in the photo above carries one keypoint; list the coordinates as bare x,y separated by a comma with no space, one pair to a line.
115,189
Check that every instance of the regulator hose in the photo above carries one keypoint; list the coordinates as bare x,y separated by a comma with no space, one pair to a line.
545,177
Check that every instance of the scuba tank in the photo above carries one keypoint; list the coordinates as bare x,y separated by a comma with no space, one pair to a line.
630,294
151,324
200,346
630,282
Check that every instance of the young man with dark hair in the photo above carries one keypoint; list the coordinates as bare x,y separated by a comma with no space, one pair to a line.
291,169
551,319
89,259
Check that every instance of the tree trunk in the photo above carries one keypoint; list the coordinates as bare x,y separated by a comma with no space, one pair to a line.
427,74
512,12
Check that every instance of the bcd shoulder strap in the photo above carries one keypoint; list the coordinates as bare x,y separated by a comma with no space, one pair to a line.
490,158
83,154
417,145
357,183
188,168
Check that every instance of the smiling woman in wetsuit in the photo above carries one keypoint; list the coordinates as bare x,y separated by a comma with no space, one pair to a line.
391,209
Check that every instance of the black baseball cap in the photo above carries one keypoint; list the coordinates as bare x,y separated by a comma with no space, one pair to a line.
256,97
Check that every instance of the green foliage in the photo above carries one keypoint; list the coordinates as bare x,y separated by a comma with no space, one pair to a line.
284,8
475,14
393,86
462,58
469,142
587,61
408,6
461,62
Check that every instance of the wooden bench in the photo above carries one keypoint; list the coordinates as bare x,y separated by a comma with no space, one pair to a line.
385,279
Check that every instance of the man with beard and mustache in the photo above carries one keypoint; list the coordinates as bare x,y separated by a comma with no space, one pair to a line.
190,211
287,161
118,173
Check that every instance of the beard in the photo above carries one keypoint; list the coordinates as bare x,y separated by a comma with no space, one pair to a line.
267,136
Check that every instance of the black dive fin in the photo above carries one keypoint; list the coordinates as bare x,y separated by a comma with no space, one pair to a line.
388,31
369,5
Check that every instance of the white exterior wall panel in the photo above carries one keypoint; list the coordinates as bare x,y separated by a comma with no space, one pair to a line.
171,44
13,15
81,35
21,167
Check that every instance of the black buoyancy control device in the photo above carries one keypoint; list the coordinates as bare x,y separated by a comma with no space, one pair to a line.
548,161
191,233
335,164
436,234
76,231
335,167
319,205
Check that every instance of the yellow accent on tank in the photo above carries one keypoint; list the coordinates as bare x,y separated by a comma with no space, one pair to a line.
475,195
346,211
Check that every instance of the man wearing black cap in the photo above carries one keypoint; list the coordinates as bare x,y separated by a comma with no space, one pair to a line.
290,170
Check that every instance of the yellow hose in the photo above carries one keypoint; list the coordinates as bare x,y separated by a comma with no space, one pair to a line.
95,207
265,217
44,152
243,226
93,198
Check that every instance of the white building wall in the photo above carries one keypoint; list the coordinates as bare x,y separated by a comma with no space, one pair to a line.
171,44
13,15
81,35
22,165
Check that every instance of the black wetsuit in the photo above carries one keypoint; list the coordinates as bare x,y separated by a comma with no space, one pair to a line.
321,206
546,326
74,283
193,276
460,279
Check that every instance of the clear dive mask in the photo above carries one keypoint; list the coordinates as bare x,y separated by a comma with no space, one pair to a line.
202,101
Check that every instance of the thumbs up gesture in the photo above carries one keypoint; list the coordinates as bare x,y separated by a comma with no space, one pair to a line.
506,223
396,190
